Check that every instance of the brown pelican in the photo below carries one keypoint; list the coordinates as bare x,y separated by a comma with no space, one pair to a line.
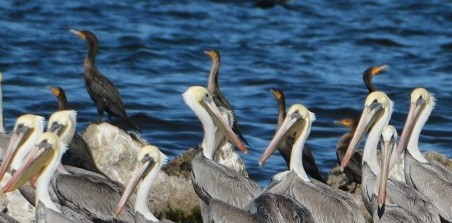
268,207
220,101
101,90
325,204
149,162
43,160
208,177
430,179
376,115
79,154
27,130
286,145
385,211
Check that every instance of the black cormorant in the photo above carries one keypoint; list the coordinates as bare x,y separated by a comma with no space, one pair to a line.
214,89
101,90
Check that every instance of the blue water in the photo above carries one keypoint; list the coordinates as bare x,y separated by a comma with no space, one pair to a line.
315,51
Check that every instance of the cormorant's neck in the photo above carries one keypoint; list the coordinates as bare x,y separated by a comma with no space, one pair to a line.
368,82
212,86
92,52
282,112
62,102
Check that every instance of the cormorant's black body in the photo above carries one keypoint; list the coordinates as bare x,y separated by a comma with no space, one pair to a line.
101,90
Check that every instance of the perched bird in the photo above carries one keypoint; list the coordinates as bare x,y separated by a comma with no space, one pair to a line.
431,179
61,97
223,105
285,147
383,209
75,192
149,162
325,203
101,90
44,160
79,154
369,73
375,116
209,178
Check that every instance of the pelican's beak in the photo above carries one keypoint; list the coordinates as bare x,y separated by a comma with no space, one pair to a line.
221,124
288,124
78,33
139,173
413,115
370,114
18,137
35,162
56,128
386,151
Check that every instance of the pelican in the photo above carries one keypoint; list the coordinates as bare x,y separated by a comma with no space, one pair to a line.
88,192
376,115
268,207
220,101
431,179
324,203
149,162
43,159
208,177
27,130
384,211
63,123
286,145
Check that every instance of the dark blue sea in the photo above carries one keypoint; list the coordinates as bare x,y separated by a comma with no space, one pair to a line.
315,51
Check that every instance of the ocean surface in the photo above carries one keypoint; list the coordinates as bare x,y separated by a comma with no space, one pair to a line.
315,51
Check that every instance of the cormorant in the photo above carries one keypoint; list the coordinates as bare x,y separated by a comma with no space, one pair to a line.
214,89
101,90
